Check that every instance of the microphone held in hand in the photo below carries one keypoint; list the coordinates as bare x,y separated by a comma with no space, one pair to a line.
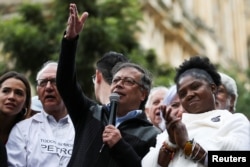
114,99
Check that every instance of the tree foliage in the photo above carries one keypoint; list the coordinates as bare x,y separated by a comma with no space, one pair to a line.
26,41
34,37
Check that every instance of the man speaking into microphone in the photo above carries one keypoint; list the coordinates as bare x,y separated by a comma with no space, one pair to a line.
128,139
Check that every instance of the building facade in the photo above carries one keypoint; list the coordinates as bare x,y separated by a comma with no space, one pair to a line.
178,29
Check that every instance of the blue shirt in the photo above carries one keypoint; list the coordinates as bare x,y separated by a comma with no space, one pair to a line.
129,115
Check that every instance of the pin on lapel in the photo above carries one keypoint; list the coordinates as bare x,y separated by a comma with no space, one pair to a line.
216,119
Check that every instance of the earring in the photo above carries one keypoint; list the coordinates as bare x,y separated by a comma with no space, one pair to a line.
24,111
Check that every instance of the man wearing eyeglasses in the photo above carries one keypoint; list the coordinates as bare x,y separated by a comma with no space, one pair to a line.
103,75
126,142
46,139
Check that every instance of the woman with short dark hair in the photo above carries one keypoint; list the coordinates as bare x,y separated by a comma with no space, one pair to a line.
202,127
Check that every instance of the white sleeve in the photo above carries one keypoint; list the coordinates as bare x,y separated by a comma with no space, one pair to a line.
151,158
235,134
16,148
238,130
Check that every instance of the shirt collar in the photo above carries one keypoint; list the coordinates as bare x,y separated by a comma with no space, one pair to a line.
50,118
129,115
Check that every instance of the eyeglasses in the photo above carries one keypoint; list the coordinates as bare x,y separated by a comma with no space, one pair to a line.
93,78
44,82
127,81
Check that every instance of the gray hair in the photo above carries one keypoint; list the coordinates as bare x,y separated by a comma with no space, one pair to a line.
146,78
230,85
48,63
154,89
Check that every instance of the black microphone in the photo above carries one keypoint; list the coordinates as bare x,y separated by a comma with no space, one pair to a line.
114,99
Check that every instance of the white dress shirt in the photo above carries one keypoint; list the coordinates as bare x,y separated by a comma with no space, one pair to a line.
41,141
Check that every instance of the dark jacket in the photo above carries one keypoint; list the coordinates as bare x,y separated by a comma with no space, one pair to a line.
89,120
3,155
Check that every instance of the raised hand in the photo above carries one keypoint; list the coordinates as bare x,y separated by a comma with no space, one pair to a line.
171,118
176,129
180,134
75,23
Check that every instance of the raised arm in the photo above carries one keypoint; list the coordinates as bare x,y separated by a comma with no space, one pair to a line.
67,85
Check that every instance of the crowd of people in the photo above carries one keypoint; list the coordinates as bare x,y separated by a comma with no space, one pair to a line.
151,126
